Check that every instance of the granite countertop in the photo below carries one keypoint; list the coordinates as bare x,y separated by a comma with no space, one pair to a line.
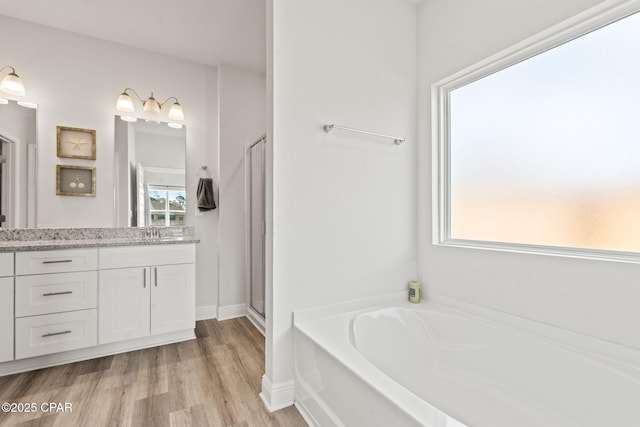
69,238
40,245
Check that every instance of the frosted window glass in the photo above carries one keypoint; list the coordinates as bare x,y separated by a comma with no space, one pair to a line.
547,151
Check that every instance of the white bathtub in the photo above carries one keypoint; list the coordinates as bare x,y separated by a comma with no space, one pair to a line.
428,365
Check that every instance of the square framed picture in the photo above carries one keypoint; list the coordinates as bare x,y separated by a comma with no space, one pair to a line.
76,143
75,181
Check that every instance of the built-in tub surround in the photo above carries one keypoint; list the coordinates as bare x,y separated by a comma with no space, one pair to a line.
430,365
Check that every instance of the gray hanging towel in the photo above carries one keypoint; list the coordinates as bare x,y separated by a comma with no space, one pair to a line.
205,194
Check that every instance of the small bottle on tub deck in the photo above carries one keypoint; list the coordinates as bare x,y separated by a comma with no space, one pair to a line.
414,291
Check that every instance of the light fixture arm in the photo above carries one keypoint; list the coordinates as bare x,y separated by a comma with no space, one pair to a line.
161,104
13,70
168,99
135,93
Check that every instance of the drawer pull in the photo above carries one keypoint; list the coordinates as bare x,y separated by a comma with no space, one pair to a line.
49,294
51,334
57,261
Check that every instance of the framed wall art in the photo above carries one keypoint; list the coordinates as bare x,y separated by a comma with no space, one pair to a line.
75,181
76,143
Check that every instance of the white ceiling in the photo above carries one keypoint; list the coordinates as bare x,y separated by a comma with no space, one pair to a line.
209,32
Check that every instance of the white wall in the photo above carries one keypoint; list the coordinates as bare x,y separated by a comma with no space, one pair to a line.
343,220
595,298
242,106
75,80
163,151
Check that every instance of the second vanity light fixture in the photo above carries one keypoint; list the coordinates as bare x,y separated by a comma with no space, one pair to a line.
150,106
12,83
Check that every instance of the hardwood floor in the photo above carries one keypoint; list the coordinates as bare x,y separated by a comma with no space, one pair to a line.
211,381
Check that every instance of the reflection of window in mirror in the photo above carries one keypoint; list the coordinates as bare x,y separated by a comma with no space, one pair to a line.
167,205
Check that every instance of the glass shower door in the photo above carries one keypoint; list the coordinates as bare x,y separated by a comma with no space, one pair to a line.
256,226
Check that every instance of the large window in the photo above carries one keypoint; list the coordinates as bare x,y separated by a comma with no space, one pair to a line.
541,146
167,206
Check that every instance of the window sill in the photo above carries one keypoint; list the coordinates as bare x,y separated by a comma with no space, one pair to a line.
590,254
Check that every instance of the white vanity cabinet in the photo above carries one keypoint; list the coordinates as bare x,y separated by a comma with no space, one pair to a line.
146,291
6,307
55,301
60,305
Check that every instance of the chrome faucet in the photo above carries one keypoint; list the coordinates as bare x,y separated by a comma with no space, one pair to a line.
152,232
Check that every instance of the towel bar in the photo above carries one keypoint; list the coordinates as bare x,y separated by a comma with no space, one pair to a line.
396,140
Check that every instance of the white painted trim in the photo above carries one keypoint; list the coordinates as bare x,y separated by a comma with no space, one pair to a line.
23,365
596,17
232,311
257,320
306,414
206,312
276,396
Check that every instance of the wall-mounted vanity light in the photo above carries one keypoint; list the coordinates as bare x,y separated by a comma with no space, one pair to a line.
150,106
11,83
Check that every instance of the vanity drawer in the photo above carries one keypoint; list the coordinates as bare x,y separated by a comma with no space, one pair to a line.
53,333
52,293
60,261
142,256
6,264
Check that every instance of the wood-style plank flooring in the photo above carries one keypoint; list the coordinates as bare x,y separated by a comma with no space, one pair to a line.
211,381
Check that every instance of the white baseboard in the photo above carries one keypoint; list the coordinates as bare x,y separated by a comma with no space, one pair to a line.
206,312
257,320
306,415
276,396
232,311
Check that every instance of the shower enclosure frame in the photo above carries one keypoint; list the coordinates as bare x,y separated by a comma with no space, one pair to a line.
255,315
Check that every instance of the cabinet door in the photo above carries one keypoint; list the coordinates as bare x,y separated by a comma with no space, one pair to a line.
173,305
123,304
6,319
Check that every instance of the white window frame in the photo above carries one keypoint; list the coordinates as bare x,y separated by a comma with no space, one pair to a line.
583,23
167,211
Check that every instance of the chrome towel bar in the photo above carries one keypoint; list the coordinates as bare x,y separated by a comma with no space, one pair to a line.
396,140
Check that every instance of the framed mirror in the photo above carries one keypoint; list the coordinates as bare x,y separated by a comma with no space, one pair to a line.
149,174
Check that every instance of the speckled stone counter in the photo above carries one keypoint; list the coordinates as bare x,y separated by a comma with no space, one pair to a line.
67,238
